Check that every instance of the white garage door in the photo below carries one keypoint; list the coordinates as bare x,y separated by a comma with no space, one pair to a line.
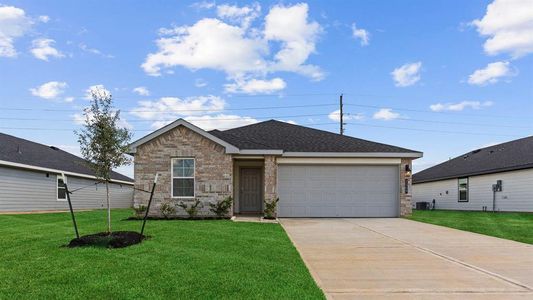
338,191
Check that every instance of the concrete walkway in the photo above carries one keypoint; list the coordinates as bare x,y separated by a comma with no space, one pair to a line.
403,259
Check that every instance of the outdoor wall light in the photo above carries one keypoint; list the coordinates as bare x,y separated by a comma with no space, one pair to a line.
407,170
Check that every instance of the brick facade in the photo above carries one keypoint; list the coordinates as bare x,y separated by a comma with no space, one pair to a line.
405,198
213,172
213,169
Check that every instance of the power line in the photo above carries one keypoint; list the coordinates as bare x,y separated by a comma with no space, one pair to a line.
164,120
439,112
434,131
172,110
134,130
464,123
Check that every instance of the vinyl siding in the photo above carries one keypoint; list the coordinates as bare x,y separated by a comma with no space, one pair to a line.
27,190
517,194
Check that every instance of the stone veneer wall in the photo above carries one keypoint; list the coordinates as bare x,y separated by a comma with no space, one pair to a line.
405,198
270,178
213,169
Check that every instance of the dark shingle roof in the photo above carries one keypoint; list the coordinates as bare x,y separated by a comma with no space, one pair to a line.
513,155
17,150
294,138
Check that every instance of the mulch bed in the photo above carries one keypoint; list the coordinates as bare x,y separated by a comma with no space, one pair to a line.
117,239
134,218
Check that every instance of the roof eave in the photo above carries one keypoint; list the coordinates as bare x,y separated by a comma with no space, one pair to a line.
56,171
355,154
484,172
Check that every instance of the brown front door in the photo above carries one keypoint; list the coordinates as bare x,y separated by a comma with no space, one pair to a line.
250,190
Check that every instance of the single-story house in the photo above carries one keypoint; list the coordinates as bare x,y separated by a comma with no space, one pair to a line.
314,173
499,177
30,179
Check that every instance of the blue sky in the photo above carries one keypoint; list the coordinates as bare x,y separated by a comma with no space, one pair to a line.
442,77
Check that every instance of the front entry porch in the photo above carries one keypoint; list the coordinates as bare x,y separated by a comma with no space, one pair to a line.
248,189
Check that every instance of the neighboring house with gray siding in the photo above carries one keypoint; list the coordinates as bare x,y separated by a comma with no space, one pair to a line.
30,179
466,182
314,173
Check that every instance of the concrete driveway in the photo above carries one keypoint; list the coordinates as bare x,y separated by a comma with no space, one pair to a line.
403,259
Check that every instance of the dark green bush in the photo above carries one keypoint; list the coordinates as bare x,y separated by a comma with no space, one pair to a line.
221,208
270,208
191,210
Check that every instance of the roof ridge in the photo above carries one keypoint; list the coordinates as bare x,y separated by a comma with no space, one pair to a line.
333,133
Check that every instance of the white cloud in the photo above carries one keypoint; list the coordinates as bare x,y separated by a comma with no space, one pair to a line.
79,119
210,44
50,90
336,116
508,24
460,105
386,114
13,24
203,4
141,91
168,109
220,121
203,111
199,82
94,51
43,19
44,49
256,86
407,74
240,15
361,34
289,25
491,73
98,88
240,50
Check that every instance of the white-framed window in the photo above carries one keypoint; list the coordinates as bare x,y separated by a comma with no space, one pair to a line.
463,189
61,191
182,185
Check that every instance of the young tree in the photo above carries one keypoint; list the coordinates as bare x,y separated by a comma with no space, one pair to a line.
102,141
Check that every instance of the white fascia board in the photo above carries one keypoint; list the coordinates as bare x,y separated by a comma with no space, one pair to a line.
339,160
354,154
260,152
55,171
230,149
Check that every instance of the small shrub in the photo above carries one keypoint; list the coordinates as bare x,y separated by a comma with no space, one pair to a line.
140,210
192,210
222,207
167,209
270,208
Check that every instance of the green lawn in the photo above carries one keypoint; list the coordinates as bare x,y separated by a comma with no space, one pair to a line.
512,226
183,259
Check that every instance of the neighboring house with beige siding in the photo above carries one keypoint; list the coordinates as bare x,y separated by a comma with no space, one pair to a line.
31,179
466,182
314,173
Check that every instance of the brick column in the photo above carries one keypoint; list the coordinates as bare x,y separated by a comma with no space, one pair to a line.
405,197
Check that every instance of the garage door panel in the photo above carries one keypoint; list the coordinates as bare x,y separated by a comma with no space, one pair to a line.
338,191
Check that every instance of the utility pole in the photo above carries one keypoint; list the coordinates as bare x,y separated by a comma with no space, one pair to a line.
341,116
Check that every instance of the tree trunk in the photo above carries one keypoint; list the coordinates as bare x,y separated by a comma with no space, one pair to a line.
108,207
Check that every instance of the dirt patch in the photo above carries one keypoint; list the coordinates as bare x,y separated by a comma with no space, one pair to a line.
117,239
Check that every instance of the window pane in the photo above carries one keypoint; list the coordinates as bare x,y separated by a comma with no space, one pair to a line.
183,187
188,172
463,189
61,194
183,168
60,183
